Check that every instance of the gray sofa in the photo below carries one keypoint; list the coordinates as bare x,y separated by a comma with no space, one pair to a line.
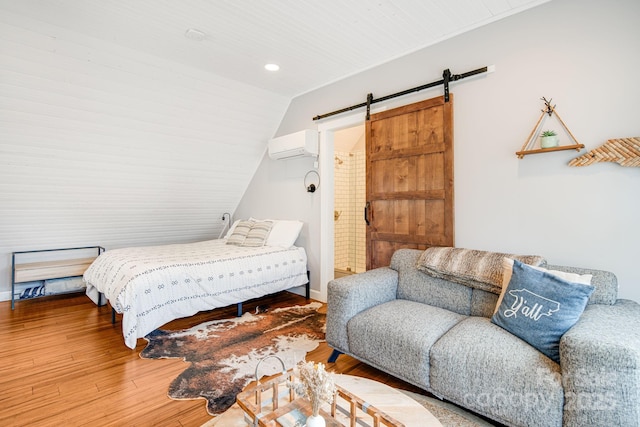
437,335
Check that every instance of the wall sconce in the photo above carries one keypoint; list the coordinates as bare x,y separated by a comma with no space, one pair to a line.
311,182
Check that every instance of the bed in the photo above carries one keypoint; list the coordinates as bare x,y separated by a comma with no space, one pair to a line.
153,285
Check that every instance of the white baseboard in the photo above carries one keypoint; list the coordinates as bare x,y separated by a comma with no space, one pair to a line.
5,296
300,291
316,295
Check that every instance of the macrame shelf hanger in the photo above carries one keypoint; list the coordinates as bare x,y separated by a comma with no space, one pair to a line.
549,110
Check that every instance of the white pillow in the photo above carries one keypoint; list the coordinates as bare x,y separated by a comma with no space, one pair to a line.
284,232
507,268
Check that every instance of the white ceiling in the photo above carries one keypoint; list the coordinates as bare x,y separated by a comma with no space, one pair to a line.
314,42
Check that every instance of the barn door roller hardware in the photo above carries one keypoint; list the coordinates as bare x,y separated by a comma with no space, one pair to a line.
447,77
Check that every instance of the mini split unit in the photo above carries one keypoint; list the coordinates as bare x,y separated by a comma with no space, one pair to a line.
299,144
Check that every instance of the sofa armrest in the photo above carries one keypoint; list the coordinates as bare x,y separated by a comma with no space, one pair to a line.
350,295
600,360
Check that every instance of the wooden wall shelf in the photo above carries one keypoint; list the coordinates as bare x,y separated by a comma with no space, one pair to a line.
548,111
576,147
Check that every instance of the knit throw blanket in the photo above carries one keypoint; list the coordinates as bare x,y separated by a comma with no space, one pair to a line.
476,269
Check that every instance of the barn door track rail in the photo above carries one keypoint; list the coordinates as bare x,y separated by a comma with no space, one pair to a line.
447,77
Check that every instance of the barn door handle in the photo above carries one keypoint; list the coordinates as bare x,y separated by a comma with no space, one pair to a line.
366,212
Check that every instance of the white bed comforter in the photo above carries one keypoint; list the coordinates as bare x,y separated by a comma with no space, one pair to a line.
153,285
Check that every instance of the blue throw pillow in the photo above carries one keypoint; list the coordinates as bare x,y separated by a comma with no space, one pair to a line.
539,307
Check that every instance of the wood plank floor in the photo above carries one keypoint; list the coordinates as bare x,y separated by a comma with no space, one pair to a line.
65,364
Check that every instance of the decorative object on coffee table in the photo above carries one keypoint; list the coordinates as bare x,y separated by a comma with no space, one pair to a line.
447,414
274,404
316,385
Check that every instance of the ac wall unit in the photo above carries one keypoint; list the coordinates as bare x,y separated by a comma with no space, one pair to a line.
299,144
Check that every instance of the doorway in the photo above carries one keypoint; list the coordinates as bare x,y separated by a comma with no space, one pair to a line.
327,131
326,160
349,199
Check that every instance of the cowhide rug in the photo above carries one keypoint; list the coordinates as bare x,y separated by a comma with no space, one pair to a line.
224,353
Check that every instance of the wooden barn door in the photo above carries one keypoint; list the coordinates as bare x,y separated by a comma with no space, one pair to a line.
409,179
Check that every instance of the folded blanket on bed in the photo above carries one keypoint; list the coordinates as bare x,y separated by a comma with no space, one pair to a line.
476,269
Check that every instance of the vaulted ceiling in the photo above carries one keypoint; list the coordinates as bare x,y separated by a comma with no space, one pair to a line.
171,130
313,42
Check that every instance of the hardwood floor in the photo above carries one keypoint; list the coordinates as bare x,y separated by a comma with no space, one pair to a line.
65,364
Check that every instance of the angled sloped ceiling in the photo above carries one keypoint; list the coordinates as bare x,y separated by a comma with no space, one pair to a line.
116,130
314,42
101,145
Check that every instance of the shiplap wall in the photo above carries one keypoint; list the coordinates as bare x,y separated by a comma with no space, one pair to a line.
102,145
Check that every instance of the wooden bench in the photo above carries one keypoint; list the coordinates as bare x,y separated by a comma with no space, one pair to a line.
46,270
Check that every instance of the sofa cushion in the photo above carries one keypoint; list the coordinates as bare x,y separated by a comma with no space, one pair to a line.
483,303
605,282
349,295
488,370
417,286
600,359
540,307
397,336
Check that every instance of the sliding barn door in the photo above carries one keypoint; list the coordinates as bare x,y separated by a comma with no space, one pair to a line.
409,179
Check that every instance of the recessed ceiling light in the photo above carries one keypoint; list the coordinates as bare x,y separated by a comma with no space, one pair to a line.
272,67
193,34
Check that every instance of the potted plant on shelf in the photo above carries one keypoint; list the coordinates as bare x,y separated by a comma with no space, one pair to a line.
548,139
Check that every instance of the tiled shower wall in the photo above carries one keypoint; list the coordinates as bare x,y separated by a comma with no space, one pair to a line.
350,194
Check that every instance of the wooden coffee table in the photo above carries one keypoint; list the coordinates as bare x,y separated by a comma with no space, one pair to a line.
360,402
389,400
